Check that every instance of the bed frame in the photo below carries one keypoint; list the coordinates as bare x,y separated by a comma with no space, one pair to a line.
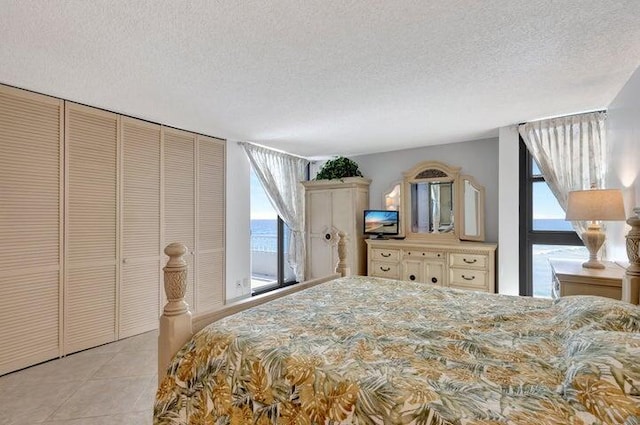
178,324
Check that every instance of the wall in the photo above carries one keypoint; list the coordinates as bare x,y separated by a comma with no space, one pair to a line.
508,210
478,158
238,237
623,136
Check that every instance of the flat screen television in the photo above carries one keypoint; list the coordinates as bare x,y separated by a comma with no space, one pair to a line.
380,223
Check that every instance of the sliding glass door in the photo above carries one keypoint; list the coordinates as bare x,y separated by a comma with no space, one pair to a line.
269,243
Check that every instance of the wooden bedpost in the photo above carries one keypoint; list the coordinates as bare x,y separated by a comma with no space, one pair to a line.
175,321
631,281
342,267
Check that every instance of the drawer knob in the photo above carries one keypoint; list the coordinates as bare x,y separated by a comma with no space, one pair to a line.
434,280
423,254
385,269
469,261
327,236
385,254
438,255
412,277
468,278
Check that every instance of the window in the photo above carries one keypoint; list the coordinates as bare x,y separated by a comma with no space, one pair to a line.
269,243
544,233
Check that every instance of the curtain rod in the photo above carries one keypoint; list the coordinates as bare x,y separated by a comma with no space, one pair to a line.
275,150
563,116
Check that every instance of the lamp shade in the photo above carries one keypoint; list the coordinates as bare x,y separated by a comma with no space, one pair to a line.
595,204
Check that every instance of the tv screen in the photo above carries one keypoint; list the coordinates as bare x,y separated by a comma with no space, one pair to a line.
380,222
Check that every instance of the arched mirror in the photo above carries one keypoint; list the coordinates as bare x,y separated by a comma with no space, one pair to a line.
441,205
430,201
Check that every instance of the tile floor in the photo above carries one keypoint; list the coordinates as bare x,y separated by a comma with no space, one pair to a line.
113,384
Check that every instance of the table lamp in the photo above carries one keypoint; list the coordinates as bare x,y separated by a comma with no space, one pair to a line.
592,205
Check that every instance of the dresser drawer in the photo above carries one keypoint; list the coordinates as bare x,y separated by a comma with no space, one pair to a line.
417,254
378,254
468,260
382,269
468,279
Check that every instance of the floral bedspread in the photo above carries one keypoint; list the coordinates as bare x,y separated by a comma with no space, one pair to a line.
374,351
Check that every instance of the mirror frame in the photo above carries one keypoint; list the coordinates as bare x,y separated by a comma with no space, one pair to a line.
428,172
480,209
401,206
442,173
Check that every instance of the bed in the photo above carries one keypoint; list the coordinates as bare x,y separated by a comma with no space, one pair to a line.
375,351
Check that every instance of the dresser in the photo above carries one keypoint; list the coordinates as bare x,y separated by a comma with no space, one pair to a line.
570,278
463,265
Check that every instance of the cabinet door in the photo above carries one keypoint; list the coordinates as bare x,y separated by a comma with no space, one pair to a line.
434,273
30,227
140,270
91,227
179,198
210,231
413,270
320,235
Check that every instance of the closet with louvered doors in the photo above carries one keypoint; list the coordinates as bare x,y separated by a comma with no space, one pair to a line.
91,221
179,177
88,200
139,289
210,233
31,141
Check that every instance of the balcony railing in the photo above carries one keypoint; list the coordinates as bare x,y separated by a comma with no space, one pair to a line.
264,260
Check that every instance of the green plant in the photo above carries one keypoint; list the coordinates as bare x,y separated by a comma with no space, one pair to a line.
338,168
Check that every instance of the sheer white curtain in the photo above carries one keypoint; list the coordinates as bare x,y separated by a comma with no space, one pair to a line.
280,175
570,152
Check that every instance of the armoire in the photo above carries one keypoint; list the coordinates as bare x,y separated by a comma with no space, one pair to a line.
88,200
332,206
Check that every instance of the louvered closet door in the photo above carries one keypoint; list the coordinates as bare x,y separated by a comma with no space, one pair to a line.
140,269
30,229
179,197
91,231
210,238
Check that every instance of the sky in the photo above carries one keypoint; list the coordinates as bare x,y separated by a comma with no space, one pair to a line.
261,208
545,204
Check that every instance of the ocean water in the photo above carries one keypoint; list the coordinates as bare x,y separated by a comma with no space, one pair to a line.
552,224
264,235
264,227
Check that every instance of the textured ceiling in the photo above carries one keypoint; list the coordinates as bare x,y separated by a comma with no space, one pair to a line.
322,77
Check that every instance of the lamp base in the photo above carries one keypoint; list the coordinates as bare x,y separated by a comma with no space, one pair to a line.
593,239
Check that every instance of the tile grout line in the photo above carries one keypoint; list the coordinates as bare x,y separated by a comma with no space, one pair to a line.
81,383
71,394
65,374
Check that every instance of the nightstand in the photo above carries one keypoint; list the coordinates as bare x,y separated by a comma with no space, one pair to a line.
570,278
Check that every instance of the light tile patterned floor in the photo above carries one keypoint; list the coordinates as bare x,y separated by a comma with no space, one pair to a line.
113,384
